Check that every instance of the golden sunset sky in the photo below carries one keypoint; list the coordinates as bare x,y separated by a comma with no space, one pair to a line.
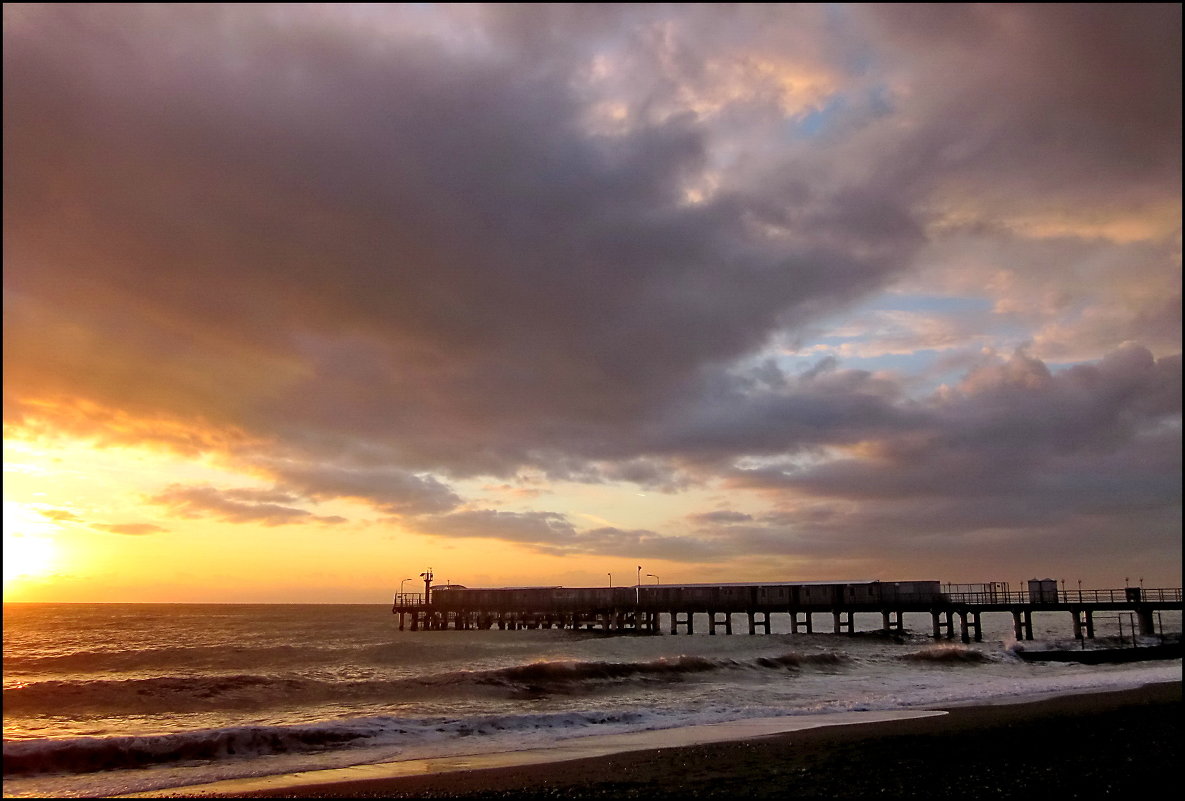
301,300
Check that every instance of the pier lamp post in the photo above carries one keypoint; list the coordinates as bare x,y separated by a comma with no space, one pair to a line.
401,583
610,575
638,587
651,575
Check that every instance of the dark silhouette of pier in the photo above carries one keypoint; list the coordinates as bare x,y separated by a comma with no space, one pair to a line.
641,608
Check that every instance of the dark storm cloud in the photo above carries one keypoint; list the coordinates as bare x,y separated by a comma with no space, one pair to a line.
369,252
1041,104
1013,447
130,529
643,543
553,533
744,413
270,226
235,505
529,527
723,516
390,491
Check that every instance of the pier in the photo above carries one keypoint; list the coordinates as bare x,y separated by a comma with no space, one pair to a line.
954,609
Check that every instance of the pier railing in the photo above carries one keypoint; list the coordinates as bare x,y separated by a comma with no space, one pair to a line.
408,599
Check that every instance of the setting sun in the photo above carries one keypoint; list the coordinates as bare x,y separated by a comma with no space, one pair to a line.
27,551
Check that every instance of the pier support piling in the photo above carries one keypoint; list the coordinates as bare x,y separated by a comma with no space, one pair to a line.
1083,623
1146,623
754,622
943,627
804,625
1022,623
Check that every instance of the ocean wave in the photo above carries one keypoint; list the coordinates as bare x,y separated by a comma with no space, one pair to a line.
198,693
95,754
948,655
158,694
567,673
566,676
91,754
794,660
135,659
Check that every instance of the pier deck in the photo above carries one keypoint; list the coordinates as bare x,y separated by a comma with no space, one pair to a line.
639,609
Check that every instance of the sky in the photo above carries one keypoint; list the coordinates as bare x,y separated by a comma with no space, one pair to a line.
303,300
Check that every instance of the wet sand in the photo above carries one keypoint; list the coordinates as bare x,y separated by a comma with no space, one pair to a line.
1081,746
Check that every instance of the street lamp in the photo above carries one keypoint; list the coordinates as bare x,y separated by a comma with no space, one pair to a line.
651,575
401,583
610,575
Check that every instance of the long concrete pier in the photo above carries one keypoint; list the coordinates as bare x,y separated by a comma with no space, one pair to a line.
641,609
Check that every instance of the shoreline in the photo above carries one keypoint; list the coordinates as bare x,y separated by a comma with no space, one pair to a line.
1115,742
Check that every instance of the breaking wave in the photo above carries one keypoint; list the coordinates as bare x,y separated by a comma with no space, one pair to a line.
949,655
187,693
94,754
793,660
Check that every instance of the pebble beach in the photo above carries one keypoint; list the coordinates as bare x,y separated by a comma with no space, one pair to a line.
1114,744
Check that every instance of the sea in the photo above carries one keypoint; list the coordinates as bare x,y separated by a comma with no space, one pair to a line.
108,699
